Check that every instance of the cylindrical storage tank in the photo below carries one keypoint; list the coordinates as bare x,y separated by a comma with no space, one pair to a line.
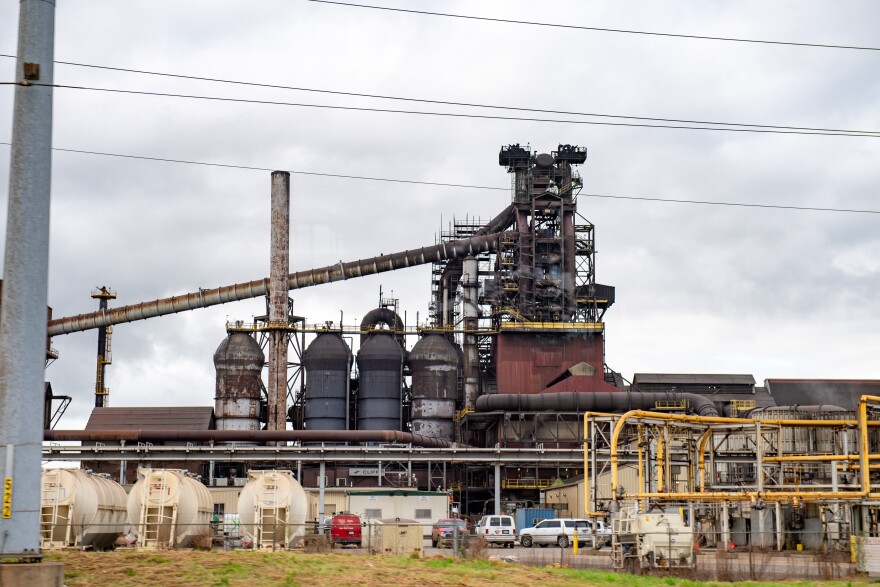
79,508
272,508
327,362
380,364
434,363
238,362
167,508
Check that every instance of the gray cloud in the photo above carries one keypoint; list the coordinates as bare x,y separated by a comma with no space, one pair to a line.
700,288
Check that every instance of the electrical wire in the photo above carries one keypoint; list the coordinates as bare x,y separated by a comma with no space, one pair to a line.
467,186
292,171
445,102
598,29
862,134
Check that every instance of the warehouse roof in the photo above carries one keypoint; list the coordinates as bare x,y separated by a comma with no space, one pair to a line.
693,379
839,392
152,418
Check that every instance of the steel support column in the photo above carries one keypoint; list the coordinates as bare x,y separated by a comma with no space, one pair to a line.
497,488
25,282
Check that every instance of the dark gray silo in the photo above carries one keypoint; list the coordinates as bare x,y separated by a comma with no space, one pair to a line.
380,364
238,362
434,363
327,361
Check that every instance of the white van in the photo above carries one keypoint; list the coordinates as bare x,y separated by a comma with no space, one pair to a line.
500,529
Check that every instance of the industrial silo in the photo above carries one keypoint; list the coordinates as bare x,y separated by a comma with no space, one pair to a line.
327,361
273,508
80,508
380,364
238,362
434,363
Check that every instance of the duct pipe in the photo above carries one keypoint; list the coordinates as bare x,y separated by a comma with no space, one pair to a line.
471,366
279,312
260,436
25,284
588,401
385,316
205,298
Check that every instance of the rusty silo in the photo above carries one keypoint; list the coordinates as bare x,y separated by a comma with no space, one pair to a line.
380,363
327,361
434,363
238,361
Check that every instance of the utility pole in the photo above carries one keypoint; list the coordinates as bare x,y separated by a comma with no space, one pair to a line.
23,314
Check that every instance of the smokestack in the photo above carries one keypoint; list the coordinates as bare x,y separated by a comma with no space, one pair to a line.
279,314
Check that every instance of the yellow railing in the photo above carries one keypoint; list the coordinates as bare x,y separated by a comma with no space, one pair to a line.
738,406
525,483
664,405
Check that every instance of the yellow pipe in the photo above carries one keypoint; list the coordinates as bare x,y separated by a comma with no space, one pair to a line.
641,464
587,416
586,463
701,447
785,496
812,458
659,462
862,422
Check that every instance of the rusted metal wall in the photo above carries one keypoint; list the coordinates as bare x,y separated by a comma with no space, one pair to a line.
527,361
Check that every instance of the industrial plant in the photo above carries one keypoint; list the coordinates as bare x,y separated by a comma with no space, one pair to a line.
500,401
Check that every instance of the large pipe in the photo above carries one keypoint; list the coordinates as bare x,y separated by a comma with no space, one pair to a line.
279,268
385,316
205,298
25,284
471,364
588,401
259,436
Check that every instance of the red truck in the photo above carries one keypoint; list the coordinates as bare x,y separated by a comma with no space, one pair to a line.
345,529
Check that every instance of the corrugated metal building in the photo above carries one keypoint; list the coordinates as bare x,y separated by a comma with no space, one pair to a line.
148,418
838,392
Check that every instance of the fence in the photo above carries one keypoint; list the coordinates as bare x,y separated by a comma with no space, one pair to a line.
832,559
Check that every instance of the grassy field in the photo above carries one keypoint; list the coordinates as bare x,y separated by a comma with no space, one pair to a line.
289,569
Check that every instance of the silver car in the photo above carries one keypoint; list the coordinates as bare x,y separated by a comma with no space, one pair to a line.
559,531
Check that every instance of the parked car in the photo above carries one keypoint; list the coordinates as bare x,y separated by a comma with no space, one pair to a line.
345,529
560,531
443,532
497,529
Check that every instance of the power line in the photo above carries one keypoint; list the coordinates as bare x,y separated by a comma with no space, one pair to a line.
254,168
448,102
598,29
458,185
863,134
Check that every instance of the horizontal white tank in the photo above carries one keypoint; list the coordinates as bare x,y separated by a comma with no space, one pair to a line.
273,508
167,507
79,508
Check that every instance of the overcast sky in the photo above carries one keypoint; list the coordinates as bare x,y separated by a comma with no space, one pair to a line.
712,289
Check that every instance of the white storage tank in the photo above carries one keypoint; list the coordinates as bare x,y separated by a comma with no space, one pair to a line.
168,507
80,509
273,508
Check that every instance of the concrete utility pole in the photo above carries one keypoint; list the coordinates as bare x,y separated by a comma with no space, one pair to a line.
279,313
25,291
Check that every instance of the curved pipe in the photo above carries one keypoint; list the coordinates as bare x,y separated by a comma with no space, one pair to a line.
385,316
146,435
589,401
862,423
253,289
